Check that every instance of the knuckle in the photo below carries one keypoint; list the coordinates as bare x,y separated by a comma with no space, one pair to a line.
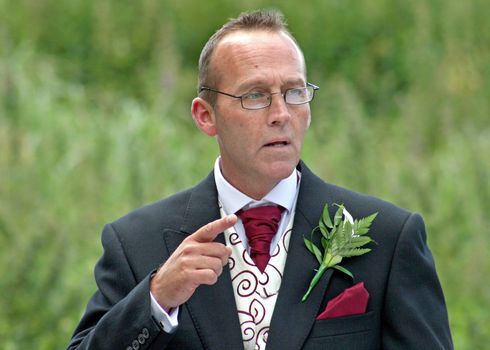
190,280
212,277
208,277
191,288
186,264
216,267
208,228
188,249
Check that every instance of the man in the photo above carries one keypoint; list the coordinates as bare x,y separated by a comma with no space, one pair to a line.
171,279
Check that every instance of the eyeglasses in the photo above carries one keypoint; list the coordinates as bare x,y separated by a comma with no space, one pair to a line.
259,100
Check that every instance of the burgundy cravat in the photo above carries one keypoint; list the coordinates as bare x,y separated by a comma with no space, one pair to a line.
260,225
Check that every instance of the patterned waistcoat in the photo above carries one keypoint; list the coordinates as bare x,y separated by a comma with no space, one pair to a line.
256,292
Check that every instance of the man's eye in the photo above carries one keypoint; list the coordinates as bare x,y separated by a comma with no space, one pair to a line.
297,92
254,96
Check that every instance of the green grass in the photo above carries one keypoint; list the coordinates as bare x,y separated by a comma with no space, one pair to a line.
95,120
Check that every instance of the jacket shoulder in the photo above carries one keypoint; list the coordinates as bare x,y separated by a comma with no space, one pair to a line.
167,212
316,189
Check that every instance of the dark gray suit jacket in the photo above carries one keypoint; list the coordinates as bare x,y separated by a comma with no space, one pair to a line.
406,309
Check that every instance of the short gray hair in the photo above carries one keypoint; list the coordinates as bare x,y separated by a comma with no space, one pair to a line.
267,20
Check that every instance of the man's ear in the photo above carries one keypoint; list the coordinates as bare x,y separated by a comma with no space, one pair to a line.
203,115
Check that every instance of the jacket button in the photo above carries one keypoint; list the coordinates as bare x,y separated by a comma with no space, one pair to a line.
145,333
141,339
136,345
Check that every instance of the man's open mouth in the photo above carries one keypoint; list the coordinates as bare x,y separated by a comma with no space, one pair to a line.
277,144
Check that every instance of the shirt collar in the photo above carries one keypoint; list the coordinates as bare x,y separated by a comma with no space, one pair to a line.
232,200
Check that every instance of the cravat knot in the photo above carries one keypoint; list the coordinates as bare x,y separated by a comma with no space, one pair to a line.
260,225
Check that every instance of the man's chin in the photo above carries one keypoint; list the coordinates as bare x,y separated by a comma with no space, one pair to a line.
280,170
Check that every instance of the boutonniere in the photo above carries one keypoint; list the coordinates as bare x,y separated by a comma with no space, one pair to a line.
343,238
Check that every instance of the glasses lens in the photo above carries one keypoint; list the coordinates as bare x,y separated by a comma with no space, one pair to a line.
299,96
255,100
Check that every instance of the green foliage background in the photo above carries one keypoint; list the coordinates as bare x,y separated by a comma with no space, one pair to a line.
95,120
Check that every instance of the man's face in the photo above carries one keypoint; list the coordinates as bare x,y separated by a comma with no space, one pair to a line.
259,147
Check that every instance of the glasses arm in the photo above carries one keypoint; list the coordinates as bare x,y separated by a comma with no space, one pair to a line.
313,86
202,88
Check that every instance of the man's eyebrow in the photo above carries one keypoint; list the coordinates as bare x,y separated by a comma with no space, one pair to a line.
293,82
247,84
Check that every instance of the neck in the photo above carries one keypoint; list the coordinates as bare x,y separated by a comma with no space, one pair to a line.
253,189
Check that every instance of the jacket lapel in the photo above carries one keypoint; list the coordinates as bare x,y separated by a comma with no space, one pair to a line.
212,308
292,320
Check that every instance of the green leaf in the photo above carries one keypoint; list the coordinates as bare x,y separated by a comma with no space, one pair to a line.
358,242
361,231
365,223
338,215
325,219
331,260
324,243
313,249
347,253
324,230
308,244
347,230
344,270
340,233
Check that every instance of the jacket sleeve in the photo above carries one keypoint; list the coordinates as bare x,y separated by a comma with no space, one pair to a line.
414,315
118,316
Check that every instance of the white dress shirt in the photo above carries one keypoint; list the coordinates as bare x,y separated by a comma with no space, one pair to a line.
232,200
284,194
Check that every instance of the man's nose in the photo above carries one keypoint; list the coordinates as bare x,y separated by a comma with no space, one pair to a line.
278,110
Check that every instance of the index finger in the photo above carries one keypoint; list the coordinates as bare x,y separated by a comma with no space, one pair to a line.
208,232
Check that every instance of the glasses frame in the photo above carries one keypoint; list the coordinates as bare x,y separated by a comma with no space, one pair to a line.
269,95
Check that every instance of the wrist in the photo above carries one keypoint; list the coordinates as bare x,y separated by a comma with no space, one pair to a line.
157,296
